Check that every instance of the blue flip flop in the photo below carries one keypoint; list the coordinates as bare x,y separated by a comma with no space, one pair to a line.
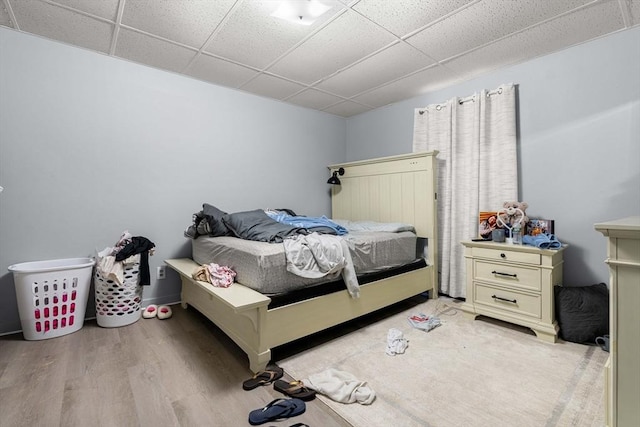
278,409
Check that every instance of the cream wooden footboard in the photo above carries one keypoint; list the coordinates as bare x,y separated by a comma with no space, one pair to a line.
243,313
390,189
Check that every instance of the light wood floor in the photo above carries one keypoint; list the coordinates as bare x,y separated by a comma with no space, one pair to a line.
182,371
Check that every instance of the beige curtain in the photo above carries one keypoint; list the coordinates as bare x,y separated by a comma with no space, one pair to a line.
477,168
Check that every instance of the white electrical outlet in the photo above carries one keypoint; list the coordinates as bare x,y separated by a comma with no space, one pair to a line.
161,272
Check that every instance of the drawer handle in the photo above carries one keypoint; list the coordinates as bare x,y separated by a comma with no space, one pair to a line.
515,276
503,255
503,299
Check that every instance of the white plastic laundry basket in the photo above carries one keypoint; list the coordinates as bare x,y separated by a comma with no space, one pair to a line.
52,296
118,304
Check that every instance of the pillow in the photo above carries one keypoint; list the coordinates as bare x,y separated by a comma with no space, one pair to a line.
582,312
257,225
214,216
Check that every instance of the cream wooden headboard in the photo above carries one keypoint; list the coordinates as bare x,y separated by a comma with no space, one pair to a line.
389,189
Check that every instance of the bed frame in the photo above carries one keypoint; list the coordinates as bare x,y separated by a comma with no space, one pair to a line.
390,189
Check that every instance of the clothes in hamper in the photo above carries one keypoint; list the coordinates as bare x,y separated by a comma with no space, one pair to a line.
138,245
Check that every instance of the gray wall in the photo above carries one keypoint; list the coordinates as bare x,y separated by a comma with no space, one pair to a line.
91,146
579,140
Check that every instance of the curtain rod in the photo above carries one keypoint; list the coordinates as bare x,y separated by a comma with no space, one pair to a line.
471,98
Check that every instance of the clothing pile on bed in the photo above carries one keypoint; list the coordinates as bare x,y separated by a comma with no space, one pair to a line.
127,250
310,243
313,249
261,225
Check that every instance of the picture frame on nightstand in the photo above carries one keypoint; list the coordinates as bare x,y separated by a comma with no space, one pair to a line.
540,226
487,222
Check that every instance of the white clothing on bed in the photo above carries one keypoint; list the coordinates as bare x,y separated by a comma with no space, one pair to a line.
318,255
389,227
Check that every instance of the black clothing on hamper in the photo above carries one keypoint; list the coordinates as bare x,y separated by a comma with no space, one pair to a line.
138,245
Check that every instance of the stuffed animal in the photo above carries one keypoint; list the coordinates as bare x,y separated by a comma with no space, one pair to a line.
509,214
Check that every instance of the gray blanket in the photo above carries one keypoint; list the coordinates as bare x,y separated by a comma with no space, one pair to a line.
258,226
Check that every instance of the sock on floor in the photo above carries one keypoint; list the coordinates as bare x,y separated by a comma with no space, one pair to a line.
396,343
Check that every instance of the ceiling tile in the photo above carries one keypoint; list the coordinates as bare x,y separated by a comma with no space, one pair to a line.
560,33
468,28
219,71
431,79
107,9
187,22
151,51
632,10
375,70
347,109
254,37
5,19
314,99
63,25
363,54
406,16
271,86
342,42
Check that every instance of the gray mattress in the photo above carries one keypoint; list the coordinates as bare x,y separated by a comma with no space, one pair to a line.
262,266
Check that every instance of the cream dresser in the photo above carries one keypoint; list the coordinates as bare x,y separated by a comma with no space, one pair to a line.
622,372
513,283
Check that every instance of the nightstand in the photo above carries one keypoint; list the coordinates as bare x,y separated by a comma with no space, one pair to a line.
513,283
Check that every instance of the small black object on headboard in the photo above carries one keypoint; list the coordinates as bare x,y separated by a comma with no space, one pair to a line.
334,180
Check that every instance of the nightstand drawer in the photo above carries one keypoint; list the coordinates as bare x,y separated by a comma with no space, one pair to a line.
508,301
515,276
503,255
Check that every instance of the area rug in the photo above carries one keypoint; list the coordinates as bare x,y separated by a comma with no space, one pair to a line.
465,372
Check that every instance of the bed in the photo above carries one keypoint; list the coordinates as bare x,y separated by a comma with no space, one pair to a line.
395,189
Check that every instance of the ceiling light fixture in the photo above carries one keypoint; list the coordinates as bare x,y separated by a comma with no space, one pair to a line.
303,12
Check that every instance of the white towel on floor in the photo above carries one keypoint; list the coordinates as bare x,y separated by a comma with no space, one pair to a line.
340,386
396,343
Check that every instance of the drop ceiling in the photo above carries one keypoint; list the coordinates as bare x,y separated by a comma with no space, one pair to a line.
361,55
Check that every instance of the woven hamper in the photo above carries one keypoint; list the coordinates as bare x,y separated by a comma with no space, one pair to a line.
119,304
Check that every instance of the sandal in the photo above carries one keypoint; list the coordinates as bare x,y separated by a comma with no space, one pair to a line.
263,378
278,409
295,389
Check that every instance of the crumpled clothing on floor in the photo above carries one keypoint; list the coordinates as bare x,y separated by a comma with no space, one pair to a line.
424,322
396,343
340,386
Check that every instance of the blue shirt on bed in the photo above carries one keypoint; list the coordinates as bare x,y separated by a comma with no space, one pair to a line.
319,224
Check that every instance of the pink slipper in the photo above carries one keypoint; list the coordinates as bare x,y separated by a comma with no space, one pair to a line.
150,311
164,312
